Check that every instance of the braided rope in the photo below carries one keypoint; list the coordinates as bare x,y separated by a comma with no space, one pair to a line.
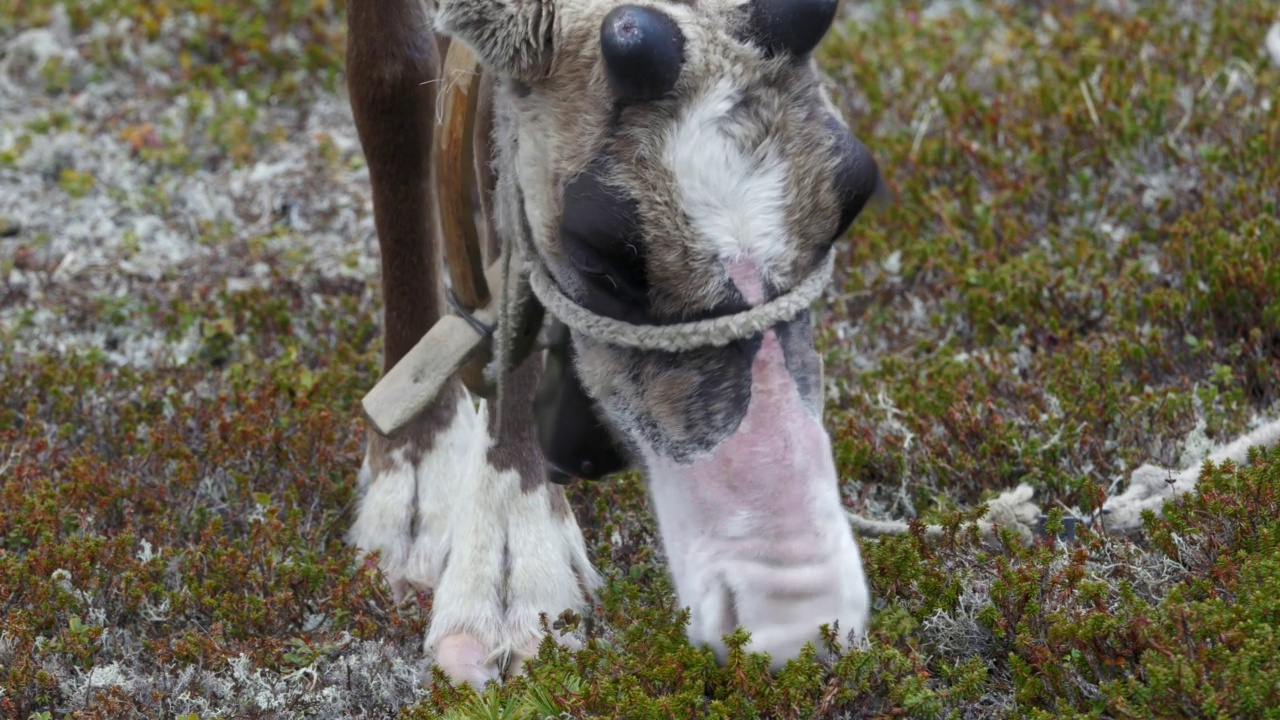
1012,509
681,337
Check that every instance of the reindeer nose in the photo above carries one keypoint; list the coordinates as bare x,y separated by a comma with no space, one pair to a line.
643,51
791,26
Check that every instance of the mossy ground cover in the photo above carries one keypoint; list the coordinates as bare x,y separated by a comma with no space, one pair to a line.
1076,274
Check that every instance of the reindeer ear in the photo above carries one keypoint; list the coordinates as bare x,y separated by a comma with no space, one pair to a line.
794,27
643,52
512,38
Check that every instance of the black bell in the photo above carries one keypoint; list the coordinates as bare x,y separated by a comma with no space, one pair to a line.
575,443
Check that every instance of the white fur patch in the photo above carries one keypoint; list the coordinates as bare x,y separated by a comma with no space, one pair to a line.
497,556
511,559
754,531
737,200
387,508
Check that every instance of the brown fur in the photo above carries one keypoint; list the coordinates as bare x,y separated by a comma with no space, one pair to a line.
565,121
391,58
547,114
391,53
554,115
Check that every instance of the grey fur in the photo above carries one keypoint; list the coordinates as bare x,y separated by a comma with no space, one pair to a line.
555,115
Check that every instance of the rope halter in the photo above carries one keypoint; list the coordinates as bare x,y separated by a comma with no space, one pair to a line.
680,337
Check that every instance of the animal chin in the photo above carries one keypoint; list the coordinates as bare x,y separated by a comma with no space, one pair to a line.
753,530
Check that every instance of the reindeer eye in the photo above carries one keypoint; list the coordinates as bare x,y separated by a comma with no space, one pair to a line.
857,175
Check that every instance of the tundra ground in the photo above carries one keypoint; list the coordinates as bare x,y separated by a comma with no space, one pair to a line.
1076,274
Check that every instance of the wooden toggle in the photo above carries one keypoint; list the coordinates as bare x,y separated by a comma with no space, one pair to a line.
454,345
415,382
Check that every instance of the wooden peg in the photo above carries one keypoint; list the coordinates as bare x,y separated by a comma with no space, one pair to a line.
415,382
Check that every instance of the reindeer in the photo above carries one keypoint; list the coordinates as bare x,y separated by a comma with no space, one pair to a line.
661,164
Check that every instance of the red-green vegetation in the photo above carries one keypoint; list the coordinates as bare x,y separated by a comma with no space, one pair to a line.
1076,275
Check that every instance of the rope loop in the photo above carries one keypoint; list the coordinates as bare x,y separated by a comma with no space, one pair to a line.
680,337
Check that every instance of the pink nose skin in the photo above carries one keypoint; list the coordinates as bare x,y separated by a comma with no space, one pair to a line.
754,532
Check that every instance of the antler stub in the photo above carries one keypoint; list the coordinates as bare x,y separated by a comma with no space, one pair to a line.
643,52
791,26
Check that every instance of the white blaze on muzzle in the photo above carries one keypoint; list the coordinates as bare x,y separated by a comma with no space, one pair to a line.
753,530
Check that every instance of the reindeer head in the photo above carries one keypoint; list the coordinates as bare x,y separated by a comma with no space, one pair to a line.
674,161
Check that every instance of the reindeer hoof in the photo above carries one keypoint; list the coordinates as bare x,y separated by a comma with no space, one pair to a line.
462,657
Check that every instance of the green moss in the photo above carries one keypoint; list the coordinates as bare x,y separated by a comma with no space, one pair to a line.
76,184
229,46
